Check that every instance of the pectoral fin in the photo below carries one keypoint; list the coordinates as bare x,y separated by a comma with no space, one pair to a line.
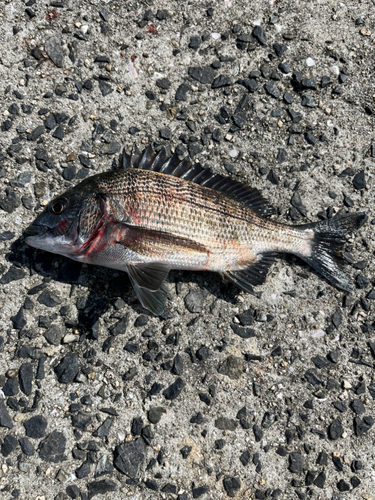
148,283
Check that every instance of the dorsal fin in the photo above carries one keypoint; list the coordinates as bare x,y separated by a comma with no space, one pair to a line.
184,169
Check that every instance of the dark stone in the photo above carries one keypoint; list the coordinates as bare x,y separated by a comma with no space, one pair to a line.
48,299
232,485
281,155
105,88
310,139
325,81
81,420
83,470
26,447
284,68
250,84
11,387
103,430
226,424
337,318
259,34
359,181
100,487
9,203
244,333
26,377
52,448
295,116
271,89
155,413
343,485
357,406
8,445
5,420
221,81
59,133
362,425
185,451
54,50
308,101
258,433
165,133
204,75
174,390
72,491
35,427
54,334
19,320
232,367
177,365
245,458
119,327
197,419
335,430
199,491
129,456
103,466
296,462
67,369
181,92
279,49
320,480
37,132
194,42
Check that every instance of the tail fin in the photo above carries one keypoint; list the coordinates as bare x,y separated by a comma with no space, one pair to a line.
329,238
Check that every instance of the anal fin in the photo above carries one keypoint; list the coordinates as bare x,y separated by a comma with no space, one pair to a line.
153,300
253,275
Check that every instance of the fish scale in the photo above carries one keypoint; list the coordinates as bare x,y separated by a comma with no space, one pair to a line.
146,222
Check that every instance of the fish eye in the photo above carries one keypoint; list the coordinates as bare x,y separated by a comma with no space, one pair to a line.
58,206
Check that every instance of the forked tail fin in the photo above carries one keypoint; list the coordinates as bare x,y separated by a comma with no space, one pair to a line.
327,243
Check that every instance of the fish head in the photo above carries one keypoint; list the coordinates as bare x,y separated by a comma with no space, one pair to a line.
69,222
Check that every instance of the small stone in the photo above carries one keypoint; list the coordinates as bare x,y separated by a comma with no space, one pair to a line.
221,81
202,353
232,485
8,445
155,413
129,456
67,369
59,133
320,480
105,88
26,447
244,333
199,491
103,466
26,377
100,487
54,334
310,139
174,390
83,470
259,34
35,427
359,181
5,420
48,299
272,89
308,101
194,301
281,155
81,420
181,92
194,42
226,424
250,84
11,387
10,202
343,486
232,367
284,68
104,428
296,463
279,49
335,430
120,327
54,50
165,133
13,274
52,448
205,75
362,425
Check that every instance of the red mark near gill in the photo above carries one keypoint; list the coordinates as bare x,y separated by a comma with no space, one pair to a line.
62,227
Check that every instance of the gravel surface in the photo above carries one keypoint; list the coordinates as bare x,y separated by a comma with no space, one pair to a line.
227,395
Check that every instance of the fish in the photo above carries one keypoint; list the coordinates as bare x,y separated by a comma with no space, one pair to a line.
156,212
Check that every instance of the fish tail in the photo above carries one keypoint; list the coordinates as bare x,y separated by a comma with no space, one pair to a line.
328,240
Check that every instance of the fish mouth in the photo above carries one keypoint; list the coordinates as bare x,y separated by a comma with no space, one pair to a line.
36,230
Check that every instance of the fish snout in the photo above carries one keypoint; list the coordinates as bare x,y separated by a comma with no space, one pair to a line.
36,230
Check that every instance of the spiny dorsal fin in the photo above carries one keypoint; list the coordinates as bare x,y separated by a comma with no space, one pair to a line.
184,169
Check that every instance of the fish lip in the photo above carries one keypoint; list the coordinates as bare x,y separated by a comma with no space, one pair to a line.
36,230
